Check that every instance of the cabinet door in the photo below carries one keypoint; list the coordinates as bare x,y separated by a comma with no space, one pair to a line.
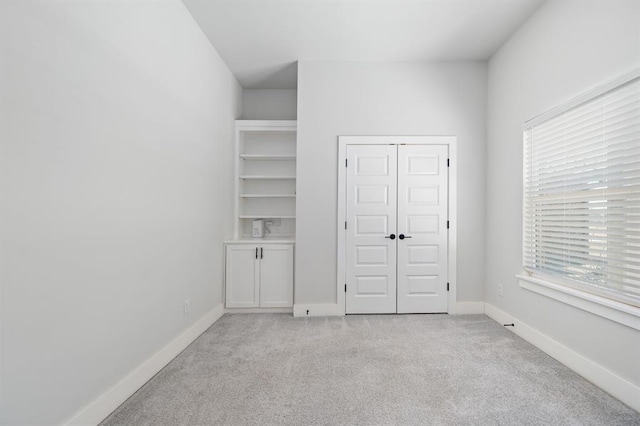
276,276
242,276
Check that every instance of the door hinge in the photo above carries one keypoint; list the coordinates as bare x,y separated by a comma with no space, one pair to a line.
447,286
345,288
447,224
447,162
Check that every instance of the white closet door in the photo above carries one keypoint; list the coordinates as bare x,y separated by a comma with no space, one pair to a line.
371,218
422,220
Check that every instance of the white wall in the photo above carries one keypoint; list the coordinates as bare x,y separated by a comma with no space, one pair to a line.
564,49
116,123
350,98
269,104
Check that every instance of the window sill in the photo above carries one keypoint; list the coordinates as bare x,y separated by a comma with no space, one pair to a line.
606,308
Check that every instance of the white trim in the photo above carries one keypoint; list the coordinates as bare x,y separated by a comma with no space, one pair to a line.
267,123
617,386
258,311
315,310
341,278
106,403
598,305
341,266
452,142
583,97
467,308
453,221
236,181
261,241
396,140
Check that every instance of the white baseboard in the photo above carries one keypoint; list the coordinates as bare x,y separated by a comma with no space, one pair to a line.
468,308
329,309
258,311
320,310
106,403
617,386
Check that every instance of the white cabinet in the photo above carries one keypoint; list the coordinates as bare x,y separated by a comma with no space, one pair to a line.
259,275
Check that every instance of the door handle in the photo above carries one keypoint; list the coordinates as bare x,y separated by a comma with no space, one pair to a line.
256,252
402,236
392,236
261,252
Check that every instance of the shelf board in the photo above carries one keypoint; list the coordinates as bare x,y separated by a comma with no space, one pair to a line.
267,157
261,177
267,195
288,125
266,216
285,239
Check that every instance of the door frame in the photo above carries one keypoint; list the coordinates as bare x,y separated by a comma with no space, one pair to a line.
451,142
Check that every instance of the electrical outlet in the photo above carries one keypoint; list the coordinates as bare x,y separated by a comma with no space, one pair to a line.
500,290
186,306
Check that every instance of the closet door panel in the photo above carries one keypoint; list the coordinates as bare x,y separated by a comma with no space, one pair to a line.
422,221
371,219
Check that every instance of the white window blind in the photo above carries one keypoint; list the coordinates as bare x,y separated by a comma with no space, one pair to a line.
582,195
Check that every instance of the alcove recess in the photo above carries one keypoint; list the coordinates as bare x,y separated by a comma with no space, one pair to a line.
266,178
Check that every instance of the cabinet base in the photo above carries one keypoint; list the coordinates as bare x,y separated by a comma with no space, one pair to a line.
258,311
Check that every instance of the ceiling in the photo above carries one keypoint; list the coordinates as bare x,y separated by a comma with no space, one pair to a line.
262,40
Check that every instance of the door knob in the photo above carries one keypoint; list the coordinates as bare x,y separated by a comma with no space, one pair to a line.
402,236
392,236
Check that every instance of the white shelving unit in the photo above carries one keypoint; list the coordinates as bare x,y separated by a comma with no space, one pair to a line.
265,178
259,272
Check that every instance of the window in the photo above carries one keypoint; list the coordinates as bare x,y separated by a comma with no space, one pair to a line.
582,193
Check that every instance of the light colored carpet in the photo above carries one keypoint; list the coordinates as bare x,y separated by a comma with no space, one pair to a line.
273,369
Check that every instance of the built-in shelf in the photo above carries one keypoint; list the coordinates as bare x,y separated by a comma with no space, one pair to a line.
260,177
265,171
267,195
267,157
266,216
